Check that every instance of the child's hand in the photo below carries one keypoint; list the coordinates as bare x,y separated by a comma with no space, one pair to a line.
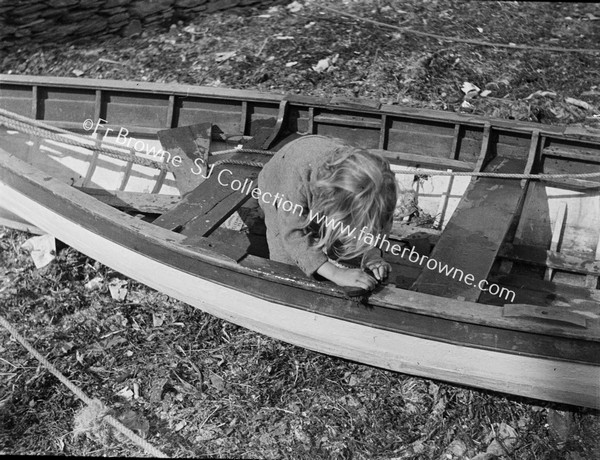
380,268
353,277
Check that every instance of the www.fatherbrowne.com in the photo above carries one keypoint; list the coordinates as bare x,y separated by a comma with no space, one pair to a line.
414,256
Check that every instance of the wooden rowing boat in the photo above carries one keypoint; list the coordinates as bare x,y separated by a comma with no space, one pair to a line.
536,334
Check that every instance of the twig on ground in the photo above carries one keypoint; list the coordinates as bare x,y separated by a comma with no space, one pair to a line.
464,40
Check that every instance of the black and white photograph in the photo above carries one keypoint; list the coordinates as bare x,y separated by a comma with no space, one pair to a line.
300,229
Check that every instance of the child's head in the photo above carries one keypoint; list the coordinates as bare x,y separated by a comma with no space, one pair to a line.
358,189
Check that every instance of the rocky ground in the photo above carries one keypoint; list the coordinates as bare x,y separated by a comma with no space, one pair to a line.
208,388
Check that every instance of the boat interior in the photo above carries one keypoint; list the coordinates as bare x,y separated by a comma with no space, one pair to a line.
537,241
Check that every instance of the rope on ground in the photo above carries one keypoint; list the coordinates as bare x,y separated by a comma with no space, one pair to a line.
464,40
95,403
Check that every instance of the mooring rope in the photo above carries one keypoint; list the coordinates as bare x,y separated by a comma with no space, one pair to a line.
39,128
94,403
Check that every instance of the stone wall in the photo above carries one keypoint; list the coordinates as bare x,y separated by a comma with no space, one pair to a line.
43,21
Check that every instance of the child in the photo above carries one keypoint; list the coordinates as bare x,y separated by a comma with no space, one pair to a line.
323,178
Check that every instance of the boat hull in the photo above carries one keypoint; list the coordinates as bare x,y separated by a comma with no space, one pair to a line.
560,381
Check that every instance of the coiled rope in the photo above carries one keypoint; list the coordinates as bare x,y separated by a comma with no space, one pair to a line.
94,403
39,128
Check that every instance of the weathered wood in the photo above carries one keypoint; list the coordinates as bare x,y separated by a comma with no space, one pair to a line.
207,206
547,314
134,201
191,144
423,161
557,232
581,154
474,233
550,258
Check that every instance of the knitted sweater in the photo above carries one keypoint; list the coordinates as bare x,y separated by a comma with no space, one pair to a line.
289,174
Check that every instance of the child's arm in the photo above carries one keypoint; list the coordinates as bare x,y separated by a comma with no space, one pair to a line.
374,261
353,277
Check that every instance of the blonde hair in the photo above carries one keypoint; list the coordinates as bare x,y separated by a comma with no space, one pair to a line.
358,189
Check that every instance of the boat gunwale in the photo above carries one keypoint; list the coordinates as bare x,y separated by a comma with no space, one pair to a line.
392,298
333,103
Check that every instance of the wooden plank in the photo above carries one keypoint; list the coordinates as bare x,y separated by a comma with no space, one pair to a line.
443,205
547,314
485,149
35,102
589,156
332,120
592,281
557,232
539,256
424,161
134,201
455,149
474,234
383,132
207,206
191,144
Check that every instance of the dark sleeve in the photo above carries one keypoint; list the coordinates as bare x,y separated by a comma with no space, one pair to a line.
298,242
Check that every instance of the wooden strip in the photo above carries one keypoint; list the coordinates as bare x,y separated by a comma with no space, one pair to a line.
191,144
441,212
532,156
593,281
580,154
98,106
279,124
126,175
91,168
454,150
160,180
35,102
311,120
383,132
544,313
331,120
474,234
20,225
485,149
244,118
557,232
134,201
424,161
207,206
539,256
580,185
170,112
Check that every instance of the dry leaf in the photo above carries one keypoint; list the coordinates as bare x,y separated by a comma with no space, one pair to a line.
222,57
294,7
125,393
468,87
95,283
42,249
578,103
157,320
118,290
217,382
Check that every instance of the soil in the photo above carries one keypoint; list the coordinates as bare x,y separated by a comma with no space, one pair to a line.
207,388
